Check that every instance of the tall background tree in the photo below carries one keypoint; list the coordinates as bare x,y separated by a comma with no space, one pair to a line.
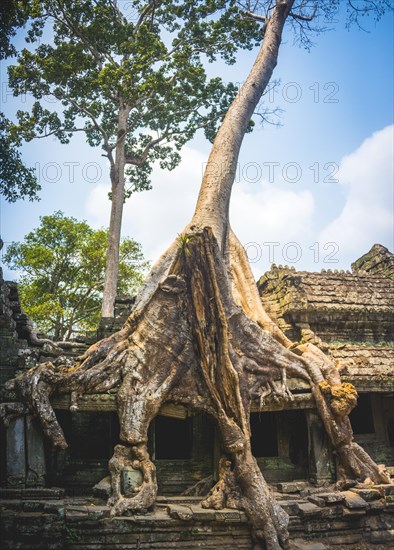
131,77
62,265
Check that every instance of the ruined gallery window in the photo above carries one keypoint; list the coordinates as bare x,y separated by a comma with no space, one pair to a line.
361,416
91,435
298,437
264,434
173,438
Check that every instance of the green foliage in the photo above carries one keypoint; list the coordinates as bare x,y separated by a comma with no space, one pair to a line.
62,264
183,241
101,58
16,180
13,15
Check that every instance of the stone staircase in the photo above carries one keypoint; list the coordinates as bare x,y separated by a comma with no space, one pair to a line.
39,519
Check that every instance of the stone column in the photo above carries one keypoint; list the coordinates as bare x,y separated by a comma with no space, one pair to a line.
36,469
320,461
283,435
16,452
216,454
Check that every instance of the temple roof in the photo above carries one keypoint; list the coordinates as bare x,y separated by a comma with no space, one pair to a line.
356,363
370,286
350,315
328,289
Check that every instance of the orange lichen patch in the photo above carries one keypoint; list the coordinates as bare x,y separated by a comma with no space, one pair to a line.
325,387
342,398
345,389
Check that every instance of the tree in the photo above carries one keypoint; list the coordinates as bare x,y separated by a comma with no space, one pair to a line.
132,81
62,264
16,180
198,335
14,15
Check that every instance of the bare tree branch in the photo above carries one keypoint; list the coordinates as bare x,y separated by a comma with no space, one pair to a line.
139,161
304,17
255,17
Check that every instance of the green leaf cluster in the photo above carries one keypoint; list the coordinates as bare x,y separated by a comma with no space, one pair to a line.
16,180
13,15
62,264
99,58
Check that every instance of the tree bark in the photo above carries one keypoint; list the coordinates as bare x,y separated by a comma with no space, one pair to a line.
198,335
213,202
117,174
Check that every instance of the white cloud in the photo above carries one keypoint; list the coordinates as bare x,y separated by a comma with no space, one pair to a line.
272,215
260,212
263,213
155,217
367,216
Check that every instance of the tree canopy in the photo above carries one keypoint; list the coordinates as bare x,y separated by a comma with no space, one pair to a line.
131,77
62,266
16,179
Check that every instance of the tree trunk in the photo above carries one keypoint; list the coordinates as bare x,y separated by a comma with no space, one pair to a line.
198,335
117,174
213,202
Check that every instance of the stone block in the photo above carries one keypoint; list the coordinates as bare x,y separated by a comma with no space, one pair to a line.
33,506
385,489
299,544
386,537
228,515
54,508
180,512
334,511
43,493
353,513
202,514
354,501
309,510
290,507
376,506
103,488
98,512
326,499
292,486
346,541
367,494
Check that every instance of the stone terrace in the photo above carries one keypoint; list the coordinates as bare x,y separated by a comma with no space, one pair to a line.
39,519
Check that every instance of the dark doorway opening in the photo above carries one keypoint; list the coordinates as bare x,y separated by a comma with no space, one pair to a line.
298,438
173,438
90,435
264,437
361,416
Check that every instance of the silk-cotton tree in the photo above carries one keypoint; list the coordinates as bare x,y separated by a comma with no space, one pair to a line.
130,76
198,335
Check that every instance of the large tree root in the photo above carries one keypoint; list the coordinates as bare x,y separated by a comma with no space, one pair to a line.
198,335
136,458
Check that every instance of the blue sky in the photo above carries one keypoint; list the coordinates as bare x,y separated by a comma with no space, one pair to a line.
316,192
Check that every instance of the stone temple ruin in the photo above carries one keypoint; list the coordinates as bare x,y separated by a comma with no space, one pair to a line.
47,499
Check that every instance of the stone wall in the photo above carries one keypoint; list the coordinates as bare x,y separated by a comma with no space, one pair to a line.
379,261
319,519
13,348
